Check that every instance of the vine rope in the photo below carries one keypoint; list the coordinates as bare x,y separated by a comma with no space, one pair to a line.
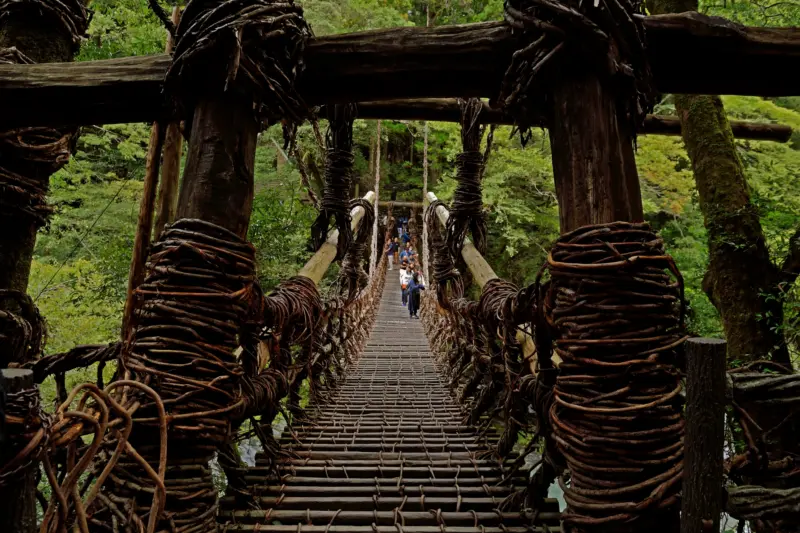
466,211
615,306
338,177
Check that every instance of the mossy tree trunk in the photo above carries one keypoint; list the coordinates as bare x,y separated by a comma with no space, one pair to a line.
741,281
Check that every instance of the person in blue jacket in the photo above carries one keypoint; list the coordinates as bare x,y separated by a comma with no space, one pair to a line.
415,284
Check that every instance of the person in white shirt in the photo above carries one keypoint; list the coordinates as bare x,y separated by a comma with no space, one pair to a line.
404,277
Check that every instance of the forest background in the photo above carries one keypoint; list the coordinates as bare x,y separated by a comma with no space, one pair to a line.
82,258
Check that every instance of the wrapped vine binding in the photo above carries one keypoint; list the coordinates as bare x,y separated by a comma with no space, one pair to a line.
466,211
614,305
338,176
561,36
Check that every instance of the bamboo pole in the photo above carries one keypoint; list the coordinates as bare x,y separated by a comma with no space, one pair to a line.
316,267
373,259
171,160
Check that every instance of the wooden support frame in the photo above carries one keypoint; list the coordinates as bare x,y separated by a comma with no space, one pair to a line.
689,53
706,383
447,110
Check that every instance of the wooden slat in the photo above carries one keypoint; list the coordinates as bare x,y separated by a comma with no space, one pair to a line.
689,53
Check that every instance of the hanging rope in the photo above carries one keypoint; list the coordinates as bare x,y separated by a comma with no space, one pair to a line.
338,176
449,285
617,320
252,45
466,211
352,276
606,36
22,328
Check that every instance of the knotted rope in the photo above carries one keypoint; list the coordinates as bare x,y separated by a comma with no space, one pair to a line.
22,328
252,45
466,211
352,276
617,318
200,287
605,35
28,156
338,176
449,285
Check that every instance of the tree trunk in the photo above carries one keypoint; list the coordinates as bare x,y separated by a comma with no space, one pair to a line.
741,281
43,41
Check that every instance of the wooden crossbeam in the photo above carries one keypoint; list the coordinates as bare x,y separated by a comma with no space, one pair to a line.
447,110
689,53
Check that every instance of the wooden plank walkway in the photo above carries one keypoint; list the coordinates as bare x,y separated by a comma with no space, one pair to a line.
389,454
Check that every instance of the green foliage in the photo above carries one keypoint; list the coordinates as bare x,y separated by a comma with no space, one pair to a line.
84,299
122,28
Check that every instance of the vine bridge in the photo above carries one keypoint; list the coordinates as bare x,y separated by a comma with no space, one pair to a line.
580,372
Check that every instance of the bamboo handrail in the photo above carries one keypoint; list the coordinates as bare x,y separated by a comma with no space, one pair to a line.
319,263
482,273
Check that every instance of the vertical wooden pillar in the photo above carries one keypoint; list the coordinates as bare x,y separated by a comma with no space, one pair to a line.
593,160
218,179
17,497
705,435
171,160
43,40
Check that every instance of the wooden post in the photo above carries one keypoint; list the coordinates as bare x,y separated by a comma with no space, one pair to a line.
218,179
17,498
170,160
705,436
141,243
593,160
42,39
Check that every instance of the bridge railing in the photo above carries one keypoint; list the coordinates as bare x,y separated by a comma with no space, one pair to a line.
487,349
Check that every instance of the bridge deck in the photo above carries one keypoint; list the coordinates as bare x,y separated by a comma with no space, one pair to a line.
389,454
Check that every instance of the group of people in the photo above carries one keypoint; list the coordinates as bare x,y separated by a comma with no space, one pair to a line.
411,279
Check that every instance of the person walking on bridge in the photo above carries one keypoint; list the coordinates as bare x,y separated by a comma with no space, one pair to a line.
390,249
405,275
415,284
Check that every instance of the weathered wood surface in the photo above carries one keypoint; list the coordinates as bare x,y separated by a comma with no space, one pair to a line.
594,165
415,205
144,226
218,179
447,110
689,53
705,435
170,161
319,263
18,497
